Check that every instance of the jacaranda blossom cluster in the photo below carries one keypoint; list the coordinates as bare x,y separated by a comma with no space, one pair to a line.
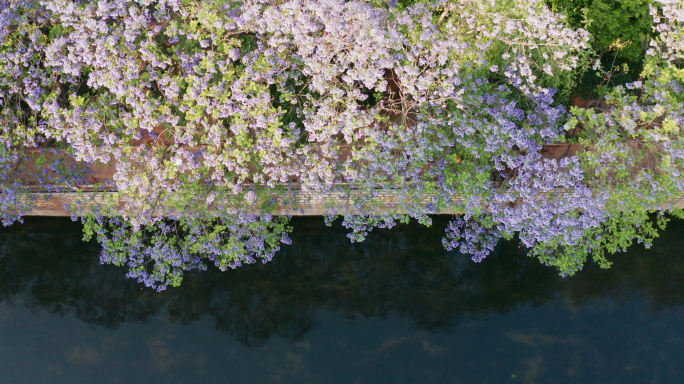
215,112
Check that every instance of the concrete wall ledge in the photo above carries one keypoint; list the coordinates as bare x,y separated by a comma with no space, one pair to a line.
309,204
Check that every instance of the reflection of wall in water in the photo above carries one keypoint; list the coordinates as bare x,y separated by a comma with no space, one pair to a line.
402,271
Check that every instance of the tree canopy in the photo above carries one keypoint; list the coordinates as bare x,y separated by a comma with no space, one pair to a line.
211,109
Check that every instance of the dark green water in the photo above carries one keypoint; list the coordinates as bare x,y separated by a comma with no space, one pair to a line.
394,309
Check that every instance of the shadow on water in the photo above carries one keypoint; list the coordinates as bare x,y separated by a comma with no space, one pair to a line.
44,265
396,308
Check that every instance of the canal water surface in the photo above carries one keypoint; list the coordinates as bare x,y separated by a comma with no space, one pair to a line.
396,308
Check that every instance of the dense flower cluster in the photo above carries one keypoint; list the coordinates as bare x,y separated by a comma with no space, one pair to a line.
212,110
670,41
159,253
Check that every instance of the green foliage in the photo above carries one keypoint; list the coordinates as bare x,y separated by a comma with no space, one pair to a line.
609,21
625,22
